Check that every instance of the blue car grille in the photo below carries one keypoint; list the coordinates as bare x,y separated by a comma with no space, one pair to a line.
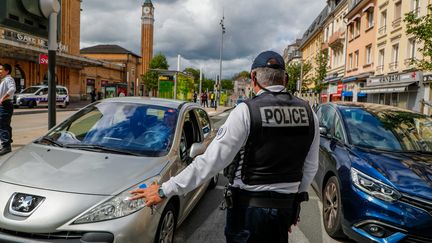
416,239
417,202
66,235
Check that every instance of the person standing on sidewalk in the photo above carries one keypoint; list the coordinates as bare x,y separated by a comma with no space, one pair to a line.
7,91
269,147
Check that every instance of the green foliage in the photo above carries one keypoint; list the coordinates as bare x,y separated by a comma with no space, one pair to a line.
242,74
421,28
321,70
227,84
207,84
185,87
150,80
294,72
159,62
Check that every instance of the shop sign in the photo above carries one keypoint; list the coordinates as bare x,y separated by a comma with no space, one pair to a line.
31,40
394,78
339,88
332,89
43,59
104,83
90,82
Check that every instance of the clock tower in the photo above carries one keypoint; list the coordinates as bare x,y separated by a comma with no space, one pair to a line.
147,21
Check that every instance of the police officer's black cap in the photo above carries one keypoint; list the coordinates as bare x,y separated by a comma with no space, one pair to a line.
269,59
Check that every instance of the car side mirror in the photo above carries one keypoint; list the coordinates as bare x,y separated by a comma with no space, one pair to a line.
196,149
323,130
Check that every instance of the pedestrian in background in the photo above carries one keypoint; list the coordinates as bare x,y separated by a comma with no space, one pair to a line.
7,91
269,146
93,94
212,99
195,96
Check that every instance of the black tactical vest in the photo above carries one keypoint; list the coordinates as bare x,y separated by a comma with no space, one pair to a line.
281,133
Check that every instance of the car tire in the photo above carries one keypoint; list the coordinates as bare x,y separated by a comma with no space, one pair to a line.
213,181
167,225
332,208
65,104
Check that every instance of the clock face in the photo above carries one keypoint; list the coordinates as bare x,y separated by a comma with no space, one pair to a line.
146,10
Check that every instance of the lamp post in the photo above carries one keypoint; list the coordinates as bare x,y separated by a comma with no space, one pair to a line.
50,9
219,84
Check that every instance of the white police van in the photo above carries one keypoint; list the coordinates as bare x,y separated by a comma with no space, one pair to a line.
35,96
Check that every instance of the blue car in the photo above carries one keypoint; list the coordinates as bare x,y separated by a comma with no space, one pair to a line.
375,172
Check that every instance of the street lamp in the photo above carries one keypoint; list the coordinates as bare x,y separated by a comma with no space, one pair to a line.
50,9
220,60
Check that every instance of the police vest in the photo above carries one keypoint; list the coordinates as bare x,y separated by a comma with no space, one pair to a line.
281,133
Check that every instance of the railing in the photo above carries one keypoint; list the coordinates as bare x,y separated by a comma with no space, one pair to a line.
382,30
397,22
393,66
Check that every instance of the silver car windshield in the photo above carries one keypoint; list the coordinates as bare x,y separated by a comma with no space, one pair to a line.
118,127
391,130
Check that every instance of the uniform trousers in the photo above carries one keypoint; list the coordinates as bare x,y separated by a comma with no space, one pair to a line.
6,111
258,225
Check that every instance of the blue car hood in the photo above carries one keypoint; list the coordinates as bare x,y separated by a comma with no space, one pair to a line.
410,173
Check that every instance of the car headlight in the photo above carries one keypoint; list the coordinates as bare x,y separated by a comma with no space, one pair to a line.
115,207
374,187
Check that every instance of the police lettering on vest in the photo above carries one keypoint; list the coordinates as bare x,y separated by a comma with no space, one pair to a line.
284,116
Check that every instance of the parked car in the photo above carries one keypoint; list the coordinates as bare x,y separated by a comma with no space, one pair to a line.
73,184
375,172
35,96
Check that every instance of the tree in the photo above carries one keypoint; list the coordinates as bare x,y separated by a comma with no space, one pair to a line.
196,76
159,62
321,69
227,84
244,74
421,28
294,72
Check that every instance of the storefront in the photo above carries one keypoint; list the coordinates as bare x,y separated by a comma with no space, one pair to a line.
427,84
400,89
335,90
352,86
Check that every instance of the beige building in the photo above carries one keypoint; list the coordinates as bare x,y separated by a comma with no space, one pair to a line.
334,45
396,82
311,44
361,46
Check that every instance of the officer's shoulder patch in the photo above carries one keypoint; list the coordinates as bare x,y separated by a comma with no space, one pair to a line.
221,132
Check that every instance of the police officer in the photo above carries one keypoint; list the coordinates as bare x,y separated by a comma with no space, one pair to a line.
7,91
272,141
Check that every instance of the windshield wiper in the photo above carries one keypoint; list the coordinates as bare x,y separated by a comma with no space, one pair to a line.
50,140
92,147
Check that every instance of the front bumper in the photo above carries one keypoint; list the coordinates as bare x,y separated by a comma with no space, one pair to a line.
375,220
53,220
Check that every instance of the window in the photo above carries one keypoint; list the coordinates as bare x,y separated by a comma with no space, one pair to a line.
356,55
395,53
411,48
352,31
350,61
397,14
369,54
204,121
383,22
370,18
357,28
381,57
415,7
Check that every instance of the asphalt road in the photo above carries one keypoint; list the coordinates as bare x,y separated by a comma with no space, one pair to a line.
207,221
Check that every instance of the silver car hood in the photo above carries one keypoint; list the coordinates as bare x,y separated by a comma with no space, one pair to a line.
77,171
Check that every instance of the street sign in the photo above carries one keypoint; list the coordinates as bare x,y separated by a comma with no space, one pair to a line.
43,59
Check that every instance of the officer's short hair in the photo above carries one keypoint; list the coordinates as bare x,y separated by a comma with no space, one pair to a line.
7,67
269,76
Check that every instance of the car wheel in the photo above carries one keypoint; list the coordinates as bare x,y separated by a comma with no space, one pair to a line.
213,182
167,225
332,208
65,104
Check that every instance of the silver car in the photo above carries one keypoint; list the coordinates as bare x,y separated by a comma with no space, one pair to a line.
73,184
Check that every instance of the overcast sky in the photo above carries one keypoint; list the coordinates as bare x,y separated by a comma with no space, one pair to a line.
191,28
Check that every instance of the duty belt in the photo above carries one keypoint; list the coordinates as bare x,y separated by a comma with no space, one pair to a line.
264,199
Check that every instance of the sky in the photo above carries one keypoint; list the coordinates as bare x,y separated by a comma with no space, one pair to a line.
191,29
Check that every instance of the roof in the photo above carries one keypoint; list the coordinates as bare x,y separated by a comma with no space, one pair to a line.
316,24
106,49
372,107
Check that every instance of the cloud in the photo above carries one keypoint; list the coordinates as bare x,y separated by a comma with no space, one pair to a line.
192,28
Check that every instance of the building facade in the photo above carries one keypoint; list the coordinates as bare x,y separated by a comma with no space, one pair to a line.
396,81
292,53
147,29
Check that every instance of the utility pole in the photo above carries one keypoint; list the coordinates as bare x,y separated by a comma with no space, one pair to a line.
200,83
219,84
50,9
176,76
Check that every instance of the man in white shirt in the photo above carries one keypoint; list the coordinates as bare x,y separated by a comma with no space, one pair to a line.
270,145
7,91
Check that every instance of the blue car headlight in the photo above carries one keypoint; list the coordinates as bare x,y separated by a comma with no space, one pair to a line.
115,207
374,187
